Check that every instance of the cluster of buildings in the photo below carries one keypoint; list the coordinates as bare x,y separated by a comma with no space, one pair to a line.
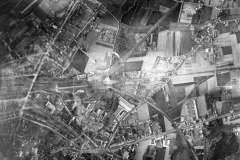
144,127
101,42
32,34
218,59
53,104
103,122
65,47
80,17
27,142
213,100
107,35
81,40
23,36
150,44
137,130
86,45
50,68
131,119
95,120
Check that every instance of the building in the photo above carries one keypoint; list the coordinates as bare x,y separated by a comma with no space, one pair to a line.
125,155
203,63
29,7
123,107
195,66
80,61
194,108
127,106
175,44
99,56
166,143
189,112
187,12
207,85
178,40
196,13
51,107
235,82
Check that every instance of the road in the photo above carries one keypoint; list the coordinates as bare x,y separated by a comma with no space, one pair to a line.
9,115
66,19
57,122
112,70
19,76
148,98
152,136
195,87
119,64
57,126
12,100
41,61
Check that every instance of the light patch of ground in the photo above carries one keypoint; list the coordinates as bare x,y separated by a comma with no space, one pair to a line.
97,56
52,6
141,149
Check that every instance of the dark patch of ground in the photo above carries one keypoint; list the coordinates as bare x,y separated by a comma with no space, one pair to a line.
202,15
160,100
79,61
108,19
6,6
227,146
186,43
183,150
152,112
167,3
160,153
134,16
